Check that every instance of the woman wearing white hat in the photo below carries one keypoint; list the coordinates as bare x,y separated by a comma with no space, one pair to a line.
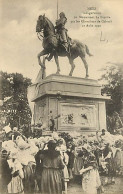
16,184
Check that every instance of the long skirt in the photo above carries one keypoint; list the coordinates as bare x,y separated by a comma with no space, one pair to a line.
65,174
111,167
16,185
51,181
117,159
91,181
78,165
29,181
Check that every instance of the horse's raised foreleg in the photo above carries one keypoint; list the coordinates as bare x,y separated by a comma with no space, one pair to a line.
72,66
57,62
86,66
44,52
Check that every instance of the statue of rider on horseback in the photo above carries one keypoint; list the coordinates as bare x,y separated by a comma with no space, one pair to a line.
62,32
57,43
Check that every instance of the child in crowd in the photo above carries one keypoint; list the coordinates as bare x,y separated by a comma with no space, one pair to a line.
71,154
108,158
65,170
78,163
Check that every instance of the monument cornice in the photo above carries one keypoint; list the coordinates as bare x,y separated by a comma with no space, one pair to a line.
61,85
69,94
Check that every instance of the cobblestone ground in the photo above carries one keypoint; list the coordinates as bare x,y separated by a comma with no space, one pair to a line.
117,188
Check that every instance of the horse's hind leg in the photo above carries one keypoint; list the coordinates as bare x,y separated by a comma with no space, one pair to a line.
72,66
57,62
86,65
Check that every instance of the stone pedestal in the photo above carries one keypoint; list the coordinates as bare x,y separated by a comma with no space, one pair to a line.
76,103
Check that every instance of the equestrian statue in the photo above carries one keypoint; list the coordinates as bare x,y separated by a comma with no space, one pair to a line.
56,43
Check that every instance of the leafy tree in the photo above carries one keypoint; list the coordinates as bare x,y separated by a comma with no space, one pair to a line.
13,90
112,81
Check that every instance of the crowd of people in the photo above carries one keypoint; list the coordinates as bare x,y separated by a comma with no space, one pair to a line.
47,164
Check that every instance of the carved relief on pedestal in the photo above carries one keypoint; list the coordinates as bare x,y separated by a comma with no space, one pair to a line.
78,115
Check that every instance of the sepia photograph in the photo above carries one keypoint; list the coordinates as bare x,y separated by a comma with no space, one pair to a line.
61,97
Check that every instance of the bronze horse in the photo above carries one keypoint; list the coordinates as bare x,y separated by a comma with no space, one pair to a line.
53,47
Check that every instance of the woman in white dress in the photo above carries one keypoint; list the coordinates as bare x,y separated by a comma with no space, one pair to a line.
16,184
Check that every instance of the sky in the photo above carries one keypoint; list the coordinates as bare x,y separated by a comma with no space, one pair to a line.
19,45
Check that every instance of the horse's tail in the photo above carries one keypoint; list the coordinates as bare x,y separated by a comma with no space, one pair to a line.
87,50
